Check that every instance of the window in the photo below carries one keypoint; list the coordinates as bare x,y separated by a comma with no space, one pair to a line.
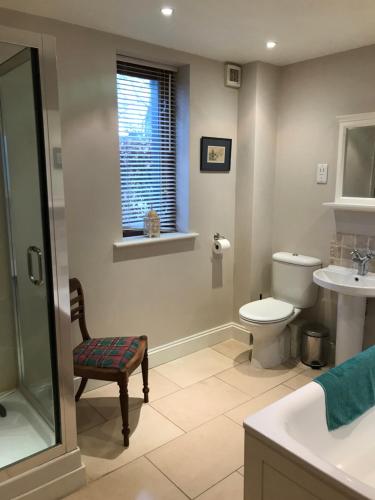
147,134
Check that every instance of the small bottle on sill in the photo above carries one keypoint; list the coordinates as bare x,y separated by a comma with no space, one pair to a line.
152,224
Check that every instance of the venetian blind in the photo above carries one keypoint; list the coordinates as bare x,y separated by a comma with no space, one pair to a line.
147,132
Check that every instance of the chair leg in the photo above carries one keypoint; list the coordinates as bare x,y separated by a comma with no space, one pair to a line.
81,388
146,389
124,403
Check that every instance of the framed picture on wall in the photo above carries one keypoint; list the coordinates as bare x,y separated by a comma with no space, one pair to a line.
215,154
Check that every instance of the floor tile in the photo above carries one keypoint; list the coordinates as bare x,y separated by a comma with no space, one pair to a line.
102,449
198,460
232,487
87,416
241,412
195,367
105,399
138,480
254,381
301,367
233,349
200,403
159,386
303,378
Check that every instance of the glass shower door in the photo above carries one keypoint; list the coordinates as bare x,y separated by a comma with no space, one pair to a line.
26,204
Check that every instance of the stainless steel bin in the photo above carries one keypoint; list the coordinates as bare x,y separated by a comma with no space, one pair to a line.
313,349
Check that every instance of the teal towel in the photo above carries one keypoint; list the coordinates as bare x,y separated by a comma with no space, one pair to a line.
349,389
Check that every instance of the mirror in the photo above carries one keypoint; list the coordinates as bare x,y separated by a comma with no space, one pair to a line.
355,175
359,163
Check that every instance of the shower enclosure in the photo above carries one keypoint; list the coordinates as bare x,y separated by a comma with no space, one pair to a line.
30,399
37,422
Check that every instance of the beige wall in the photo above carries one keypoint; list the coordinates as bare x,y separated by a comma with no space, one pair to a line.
7,50
257,129
167,293
312,94
268,82
244,186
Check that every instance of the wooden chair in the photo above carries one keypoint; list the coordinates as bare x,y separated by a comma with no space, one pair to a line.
107,358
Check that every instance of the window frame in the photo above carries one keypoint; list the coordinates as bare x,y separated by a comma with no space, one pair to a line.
172,105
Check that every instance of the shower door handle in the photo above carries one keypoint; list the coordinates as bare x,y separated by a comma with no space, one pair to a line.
30,251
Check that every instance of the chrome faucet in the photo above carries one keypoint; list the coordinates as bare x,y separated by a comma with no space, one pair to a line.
362,260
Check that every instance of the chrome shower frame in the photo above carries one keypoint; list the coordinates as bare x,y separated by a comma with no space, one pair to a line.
67,451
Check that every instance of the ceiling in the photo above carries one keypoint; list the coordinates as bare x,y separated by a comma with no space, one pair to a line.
226,30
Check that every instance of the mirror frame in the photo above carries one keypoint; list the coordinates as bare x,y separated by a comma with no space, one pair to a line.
347,122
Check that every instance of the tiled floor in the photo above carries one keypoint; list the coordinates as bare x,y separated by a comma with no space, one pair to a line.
188,441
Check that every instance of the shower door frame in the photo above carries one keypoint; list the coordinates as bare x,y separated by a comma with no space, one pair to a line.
52,421
45,44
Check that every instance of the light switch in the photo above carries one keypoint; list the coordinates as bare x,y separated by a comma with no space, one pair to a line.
322,173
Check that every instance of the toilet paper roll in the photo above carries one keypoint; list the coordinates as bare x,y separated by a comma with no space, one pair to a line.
219,246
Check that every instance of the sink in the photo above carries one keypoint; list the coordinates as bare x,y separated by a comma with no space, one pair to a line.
352,291
347,281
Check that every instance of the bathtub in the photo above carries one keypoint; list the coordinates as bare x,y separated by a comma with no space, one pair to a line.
291,455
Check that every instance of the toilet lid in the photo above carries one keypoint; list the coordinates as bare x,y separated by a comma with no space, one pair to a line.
266,310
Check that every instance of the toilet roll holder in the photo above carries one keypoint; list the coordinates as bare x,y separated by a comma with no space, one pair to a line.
220,244
218,236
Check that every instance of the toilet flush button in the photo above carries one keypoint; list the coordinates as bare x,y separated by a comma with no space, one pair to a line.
322,173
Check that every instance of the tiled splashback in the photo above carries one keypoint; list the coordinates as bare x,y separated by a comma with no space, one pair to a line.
343,243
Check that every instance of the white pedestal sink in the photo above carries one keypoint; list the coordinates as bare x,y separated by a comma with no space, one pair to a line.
351,307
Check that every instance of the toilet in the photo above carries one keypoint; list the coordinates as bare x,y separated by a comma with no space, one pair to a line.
293,289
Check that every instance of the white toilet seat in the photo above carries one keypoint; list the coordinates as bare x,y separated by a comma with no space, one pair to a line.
266,311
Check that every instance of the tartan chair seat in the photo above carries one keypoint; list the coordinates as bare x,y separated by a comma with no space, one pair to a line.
108,352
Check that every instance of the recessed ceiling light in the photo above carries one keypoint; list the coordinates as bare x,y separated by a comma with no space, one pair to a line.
167,11
271,44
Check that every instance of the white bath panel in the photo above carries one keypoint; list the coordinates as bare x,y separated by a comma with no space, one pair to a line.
22,432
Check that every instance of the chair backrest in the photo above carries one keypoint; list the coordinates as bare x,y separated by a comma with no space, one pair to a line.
77,306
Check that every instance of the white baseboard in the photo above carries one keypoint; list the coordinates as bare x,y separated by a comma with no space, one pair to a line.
241,334
196,342
58,488
57,478
187,345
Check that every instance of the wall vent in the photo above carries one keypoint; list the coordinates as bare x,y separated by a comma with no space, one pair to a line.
233,76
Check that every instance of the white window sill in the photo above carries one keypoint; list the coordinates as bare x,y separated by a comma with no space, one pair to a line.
135,241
